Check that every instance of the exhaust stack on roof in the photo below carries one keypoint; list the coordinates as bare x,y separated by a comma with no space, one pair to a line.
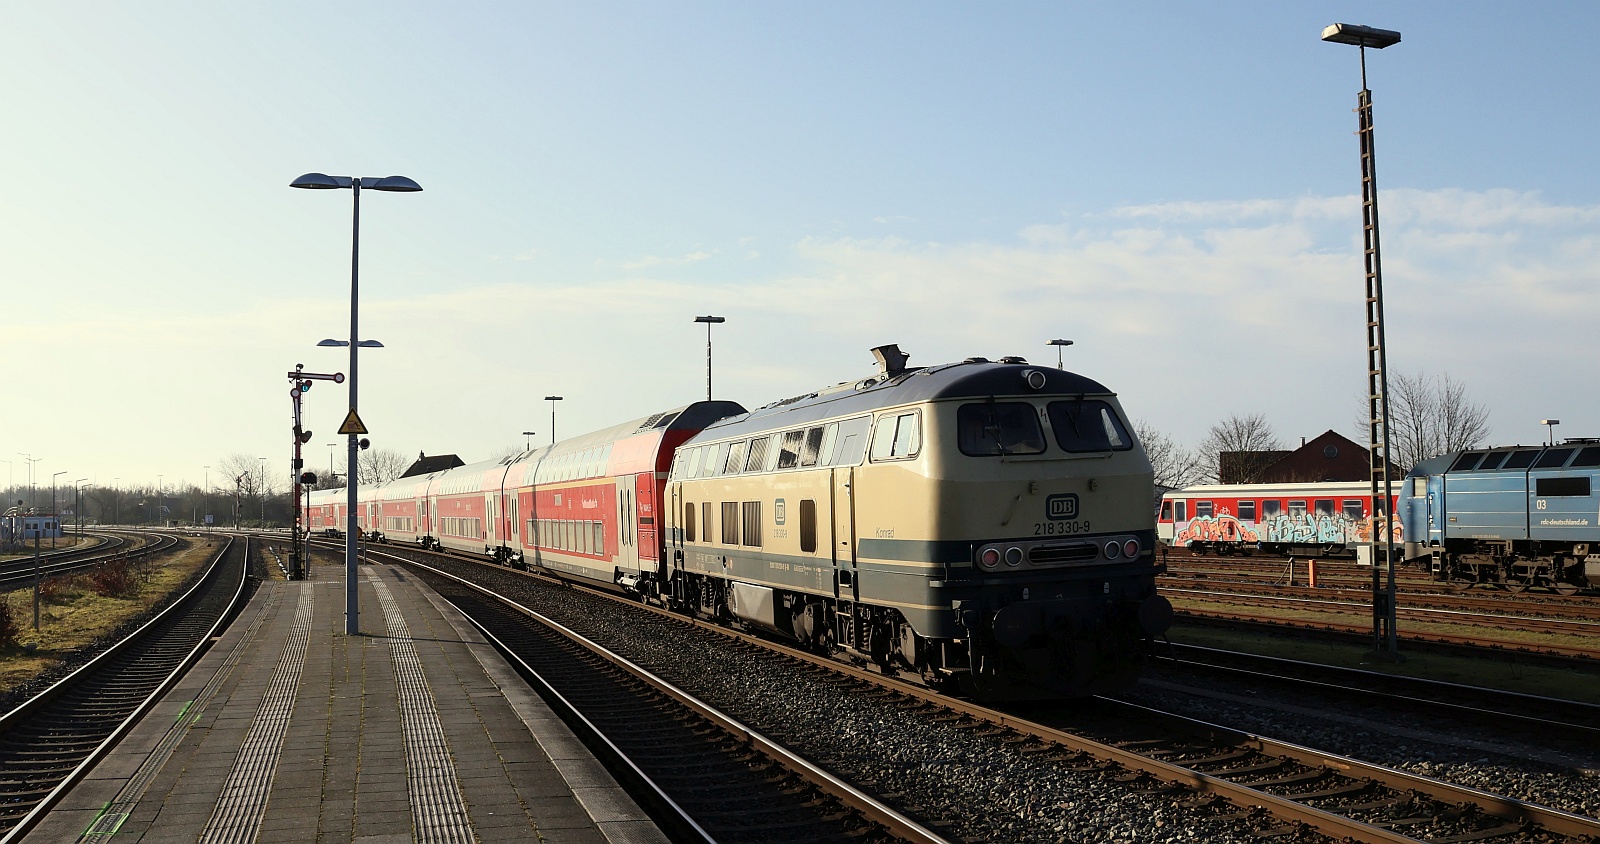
891,361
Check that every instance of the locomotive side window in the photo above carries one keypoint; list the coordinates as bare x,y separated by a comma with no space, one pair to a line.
1088,425
757,458
735,460
812,448
1202,509
789,452
808,525
830,438
1419,487
896,437
1554,458
852,441
1493,460
1521,459
705,520
1352,508
997,428
752,524
688,521
1467,461
1554,487
1247,511
1588,458
730,523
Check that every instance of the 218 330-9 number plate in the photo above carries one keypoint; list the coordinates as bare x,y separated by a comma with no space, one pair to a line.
1061,528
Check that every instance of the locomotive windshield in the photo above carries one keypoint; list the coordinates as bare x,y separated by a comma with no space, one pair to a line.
997,428
1088,425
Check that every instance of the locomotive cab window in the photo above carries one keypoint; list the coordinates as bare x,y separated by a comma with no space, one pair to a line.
895,437
998,428
1588,458
1555,458
1088,425
1247,511
1467,461
1166,511
1521,459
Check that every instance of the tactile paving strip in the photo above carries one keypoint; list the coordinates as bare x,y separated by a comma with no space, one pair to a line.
116,812
240,809
438,812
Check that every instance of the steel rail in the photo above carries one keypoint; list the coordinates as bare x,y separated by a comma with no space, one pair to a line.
11,719
1532,624
869,807
1581,655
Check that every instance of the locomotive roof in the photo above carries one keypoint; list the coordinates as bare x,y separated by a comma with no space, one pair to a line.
971,378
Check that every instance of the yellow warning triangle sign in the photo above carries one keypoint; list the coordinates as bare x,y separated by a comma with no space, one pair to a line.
352,424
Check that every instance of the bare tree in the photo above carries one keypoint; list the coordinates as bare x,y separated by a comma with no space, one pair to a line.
1428,417
380,465
1175,466
1243,439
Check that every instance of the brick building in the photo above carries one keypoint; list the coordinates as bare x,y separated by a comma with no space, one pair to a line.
1327,457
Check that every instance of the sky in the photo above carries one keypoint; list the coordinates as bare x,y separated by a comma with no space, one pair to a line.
1172,186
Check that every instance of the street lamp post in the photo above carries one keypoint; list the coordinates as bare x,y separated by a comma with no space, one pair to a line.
33,500
320,181
1059,344
527,440
709,321
77,503
1385,638
1551,425
53,511
552,400
263,494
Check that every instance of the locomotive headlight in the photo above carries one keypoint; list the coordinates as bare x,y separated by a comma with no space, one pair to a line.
1034,379
1130,548
1113,549
990,558
1013,556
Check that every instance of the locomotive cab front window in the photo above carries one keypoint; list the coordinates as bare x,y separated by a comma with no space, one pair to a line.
1088,425
998,428
1166,511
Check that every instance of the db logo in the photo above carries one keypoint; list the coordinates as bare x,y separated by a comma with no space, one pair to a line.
1061,506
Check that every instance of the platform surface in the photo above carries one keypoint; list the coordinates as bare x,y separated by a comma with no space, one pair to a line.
289,730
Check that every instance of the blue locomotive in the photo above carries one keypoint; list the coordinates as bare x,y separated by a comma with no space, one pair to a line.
1516,517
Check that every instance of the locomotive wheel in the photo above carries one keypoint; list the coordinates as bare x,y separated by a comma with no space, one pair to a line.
1461,585
1516,587
1566,588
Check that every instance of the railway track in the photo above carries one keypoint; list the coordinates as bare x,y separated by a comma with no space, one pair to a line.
1582,626
19,573
1227,784
1543,606
50,741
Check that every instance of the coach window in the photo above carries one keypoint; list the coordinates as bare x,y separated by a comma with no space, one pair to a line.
752,524
808,525
1247,511
998,428
730,523
1181,511
1555,458
1271,508
599,538
1202,510
1324,506
1353,508
1588,458
688,522
1088,425
1297,509
1166,511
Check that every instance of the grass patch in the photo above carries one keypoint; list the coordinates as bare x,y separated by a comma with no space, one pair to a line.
1510,675
74,613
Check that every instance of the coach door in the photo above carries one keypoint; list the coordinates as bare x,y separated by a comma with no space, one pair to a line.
627,524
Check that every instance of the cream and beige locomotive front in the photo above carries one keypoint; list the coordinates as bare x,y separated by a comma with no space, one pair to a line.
987,525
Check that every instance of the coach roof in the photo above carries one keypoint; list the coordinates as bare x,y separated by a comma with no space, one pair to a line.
971,378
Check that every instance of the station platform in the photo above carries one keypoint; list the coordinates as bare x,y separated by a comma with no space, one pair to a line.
288,730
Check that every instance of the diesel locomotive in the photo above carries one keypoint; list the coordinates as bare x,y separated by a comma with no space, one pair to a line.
1517,517
983,525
